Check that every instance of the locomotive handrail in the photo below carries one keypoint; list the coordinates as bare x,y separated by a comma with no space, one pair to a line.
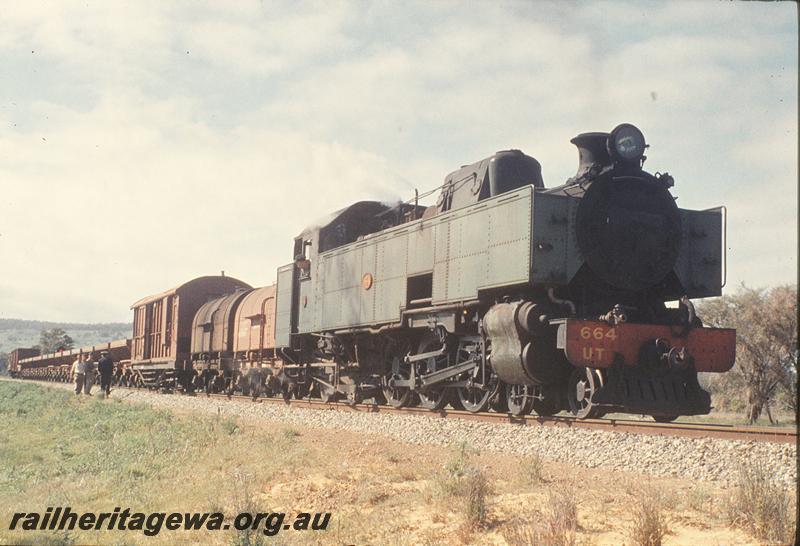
724,211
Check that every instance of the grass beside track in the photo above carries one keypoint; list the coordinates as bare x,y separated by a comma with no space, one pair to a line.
93,454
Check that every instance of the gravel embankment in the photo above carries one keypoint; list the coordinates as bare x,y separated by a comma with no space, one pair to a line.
702,459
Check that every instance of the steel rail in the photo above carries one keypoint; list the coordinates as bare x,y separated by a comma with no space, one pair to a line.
785,435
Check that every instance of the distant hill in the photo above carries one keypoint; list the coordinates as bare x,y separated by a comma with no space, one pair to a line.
25,333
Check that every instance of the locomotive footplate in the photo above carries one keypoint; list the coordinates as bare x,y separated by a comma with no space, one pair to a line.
652,392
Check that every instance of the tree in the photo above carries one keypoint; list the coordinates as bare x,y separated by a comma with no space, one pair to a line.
766,343
54,340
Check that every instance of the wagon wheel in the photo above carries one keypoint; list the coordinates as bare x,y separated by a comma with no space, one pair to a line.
286,391
378,398
326,394
434,398
354,394
519,399
398,397
301,391
583,383
355,398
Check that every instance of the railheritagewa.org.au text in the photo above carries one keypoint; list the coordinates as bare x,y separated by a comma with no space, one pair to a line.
152,523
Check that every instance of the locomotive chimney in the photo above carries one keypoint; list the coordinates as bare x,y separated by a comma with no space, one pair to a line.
592,152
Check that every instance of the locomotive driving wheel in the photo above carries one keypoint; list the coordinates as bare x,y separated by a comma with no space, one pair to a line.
434,398
476,398
519,399
482,387
398,397
583,383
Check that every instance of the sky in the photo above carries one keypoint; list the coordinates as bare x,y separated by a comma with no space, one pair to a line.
143,144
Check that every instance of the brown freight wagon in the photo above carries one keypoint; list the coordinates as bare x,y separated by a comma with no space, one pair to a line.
254,330
162,329
17,355
212,331
254,341
231,335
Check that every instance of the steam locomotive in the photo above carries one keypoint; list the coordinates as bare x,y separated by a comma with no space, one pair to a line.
505,295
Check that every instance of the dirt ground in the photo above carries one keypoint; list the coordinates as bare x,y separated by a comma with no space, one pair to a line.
383,491
58,450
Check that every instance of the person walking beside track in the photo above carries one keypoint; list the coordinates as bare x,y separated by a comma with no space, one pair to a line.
77,376
106,368
81,372
89,371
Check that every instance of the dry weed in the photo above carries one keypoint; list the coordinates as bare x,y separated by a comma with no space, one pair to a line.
699,499
534,469
243,501
561,518
649,521
761,504
521,533
468,485
290,433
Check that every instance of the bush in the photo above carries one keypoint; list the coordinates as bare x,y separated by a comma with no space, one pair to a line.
534,469
649,522
241,483
462,480
476,488
290,433
699,499
557,526
522,533
761,505
561,520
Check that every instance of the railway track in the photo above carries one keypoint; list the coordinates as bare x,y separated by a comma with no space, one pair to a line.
786,435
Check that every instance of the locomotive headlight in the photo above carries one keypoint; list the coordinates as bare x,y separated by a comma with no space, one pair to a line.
626,143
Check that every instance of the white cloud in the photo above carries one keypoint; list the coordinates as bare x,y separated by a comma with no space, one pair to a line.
119,206
129,166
